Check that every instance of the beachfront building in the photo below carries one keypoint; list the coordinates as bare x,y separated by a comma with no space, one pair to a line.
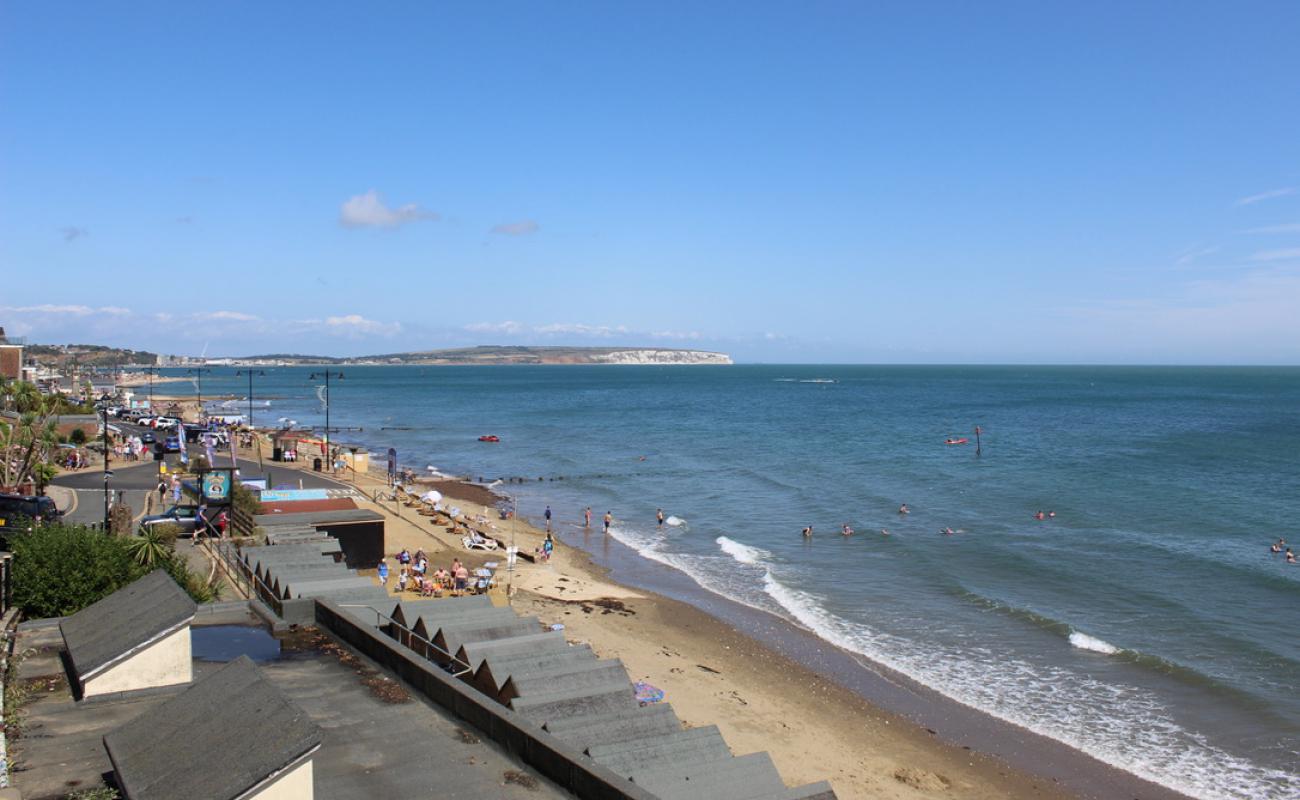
136,638
231,735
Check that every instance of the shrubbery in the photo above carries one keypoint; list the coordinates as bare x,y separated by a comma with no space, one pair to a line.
60,569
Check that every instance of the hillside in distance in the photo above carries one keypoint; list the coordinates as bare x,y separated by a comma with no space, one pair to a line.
515,354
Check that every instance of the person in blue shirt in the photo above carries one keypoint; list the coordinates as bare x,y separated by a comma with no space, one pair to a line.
383,573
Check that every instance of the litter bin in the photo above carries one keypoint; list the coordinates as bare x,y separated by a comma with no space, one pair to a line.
315,464
277,454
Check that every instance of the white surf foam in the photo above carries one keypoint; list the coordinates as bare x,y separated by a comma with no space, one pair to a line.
676,522
742,552
1085,642
1122,725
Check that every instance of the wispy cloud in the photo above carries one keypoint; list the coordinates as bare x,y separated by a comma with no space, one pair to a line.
676,335
1289,227
1269,195
508,327
72,233
578,329
523,227
1286,254
354,325
368,211
1192,253
231,316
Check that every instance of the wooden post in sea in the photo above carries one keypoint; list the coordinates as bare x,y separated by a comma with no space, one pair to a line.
977,439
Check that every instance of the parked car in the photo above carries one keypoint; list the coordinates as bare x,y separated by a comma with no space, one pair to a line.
18,510
145,420
147,438
166,423
172,444
181,516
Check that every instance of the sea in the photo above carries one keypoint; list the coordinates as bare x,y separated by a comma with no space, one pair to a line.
1145,622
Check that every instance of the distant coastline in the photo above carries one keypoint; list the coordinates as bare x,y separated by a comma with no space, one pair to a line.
490,354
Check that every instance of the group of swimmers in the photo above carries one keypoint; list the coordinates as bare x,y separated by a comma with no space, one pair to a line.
903,510
1280,545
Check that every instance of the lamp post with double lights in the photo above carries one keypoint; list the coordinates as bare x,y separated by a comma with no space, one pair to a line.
327,374
103,413
253,432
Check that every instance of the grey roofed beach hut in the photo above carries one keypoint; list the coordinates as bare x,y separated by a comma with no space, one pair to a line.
136,638
231,735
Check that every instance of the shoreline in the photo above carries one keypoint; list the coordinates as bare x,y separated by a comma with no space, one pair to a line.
920,742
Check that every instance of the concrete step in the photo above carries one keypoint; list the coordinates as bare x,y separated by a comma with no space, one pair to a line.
595,699
619,726
813,791
740,778
680,748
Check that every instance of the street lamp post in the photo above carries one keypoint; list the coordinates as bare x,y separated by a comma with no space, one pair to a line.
197,372
250,373
103,411
327,374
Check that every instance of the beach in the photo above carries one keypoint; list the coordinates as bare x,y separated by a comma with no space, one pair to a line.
814,726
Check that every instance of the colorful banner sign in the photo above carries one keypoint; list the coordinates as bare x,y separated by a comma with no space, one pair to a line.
215,486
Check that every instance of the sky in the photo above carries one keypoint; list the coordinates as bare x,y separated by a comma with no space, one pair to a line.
909,182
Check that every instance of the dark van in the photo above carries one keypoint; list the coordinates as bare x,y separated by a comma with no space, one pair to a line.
17,511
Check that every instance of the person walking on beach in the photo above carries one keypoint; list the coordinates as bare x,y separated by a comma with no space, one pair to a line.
609,520
659,515
382,569
587,517
548,518
548,547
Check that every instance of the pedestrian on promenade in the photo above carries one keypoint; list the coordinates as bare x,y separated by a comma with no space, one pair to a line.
382,569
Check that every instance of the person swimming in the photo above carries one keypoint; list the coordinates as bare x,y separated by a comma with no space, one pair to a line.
947,531
884,532
846,530
903,509
1040,515
1290,557
1275,548
1051,515
807,532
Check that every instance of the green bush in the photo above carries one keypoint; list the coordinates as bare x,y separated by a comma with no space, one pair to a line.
77,437
60,569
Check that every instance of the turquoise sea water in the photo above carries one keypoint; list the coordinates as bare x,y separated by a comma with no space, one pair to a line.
1147,624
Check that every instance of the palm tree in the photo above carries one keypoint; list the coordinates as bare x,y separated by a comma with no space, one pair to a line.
151,547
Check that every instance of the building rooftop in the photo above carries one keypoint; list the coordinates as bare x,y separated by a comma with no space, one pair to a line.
125,622
234,715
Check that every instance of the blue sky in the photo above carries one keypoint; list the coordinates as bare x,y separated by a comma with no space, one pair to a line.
906,182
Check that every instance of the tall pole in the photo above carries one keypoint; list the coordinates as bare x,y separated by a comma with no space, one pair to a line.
103,410
197,372
327,374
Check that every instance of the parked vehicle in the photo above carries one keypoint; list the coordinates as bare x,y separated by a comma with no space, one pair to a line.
181,516
145,420
166,423
17,511
172,444
147,438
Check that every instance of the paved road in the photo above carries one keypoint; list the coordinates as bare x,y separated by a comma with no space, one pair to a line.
137,480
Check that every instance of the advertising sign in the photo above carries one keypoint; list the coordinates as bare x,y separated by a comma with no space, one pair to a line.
215,485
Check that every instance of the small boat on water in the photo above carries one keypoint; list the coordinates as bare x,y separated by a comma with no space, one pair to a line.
489,438
962,440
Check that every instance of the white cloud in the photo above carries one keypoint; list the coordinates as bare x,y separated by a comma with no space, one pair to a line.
71,233
678,335
357,325
1288,254
116,311
1269,195
508,327
368,211
79,311
578,329
232,316
1289,227
523,227
1192,253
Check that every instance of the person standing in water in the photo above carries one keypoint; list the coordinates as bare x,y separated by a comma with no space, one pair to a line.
659,515
808,532
548,518
846,530
609,520
587,518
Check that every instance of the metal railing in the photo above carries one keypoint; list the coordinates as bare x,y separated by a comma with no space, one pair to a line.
247,581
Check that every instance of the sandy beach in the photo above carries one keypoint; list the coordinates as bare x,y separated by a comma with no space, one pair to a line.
814,727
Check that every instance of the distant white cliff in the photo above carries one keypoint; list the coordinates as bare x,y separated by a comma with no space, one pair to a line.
661,357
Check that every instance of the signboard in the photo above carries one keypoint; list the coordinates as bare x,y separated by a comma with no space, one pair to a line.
289,495
215,486
392,466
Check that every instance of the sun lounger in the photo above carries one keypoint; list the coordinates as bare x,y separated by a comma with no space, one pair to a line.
479,543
